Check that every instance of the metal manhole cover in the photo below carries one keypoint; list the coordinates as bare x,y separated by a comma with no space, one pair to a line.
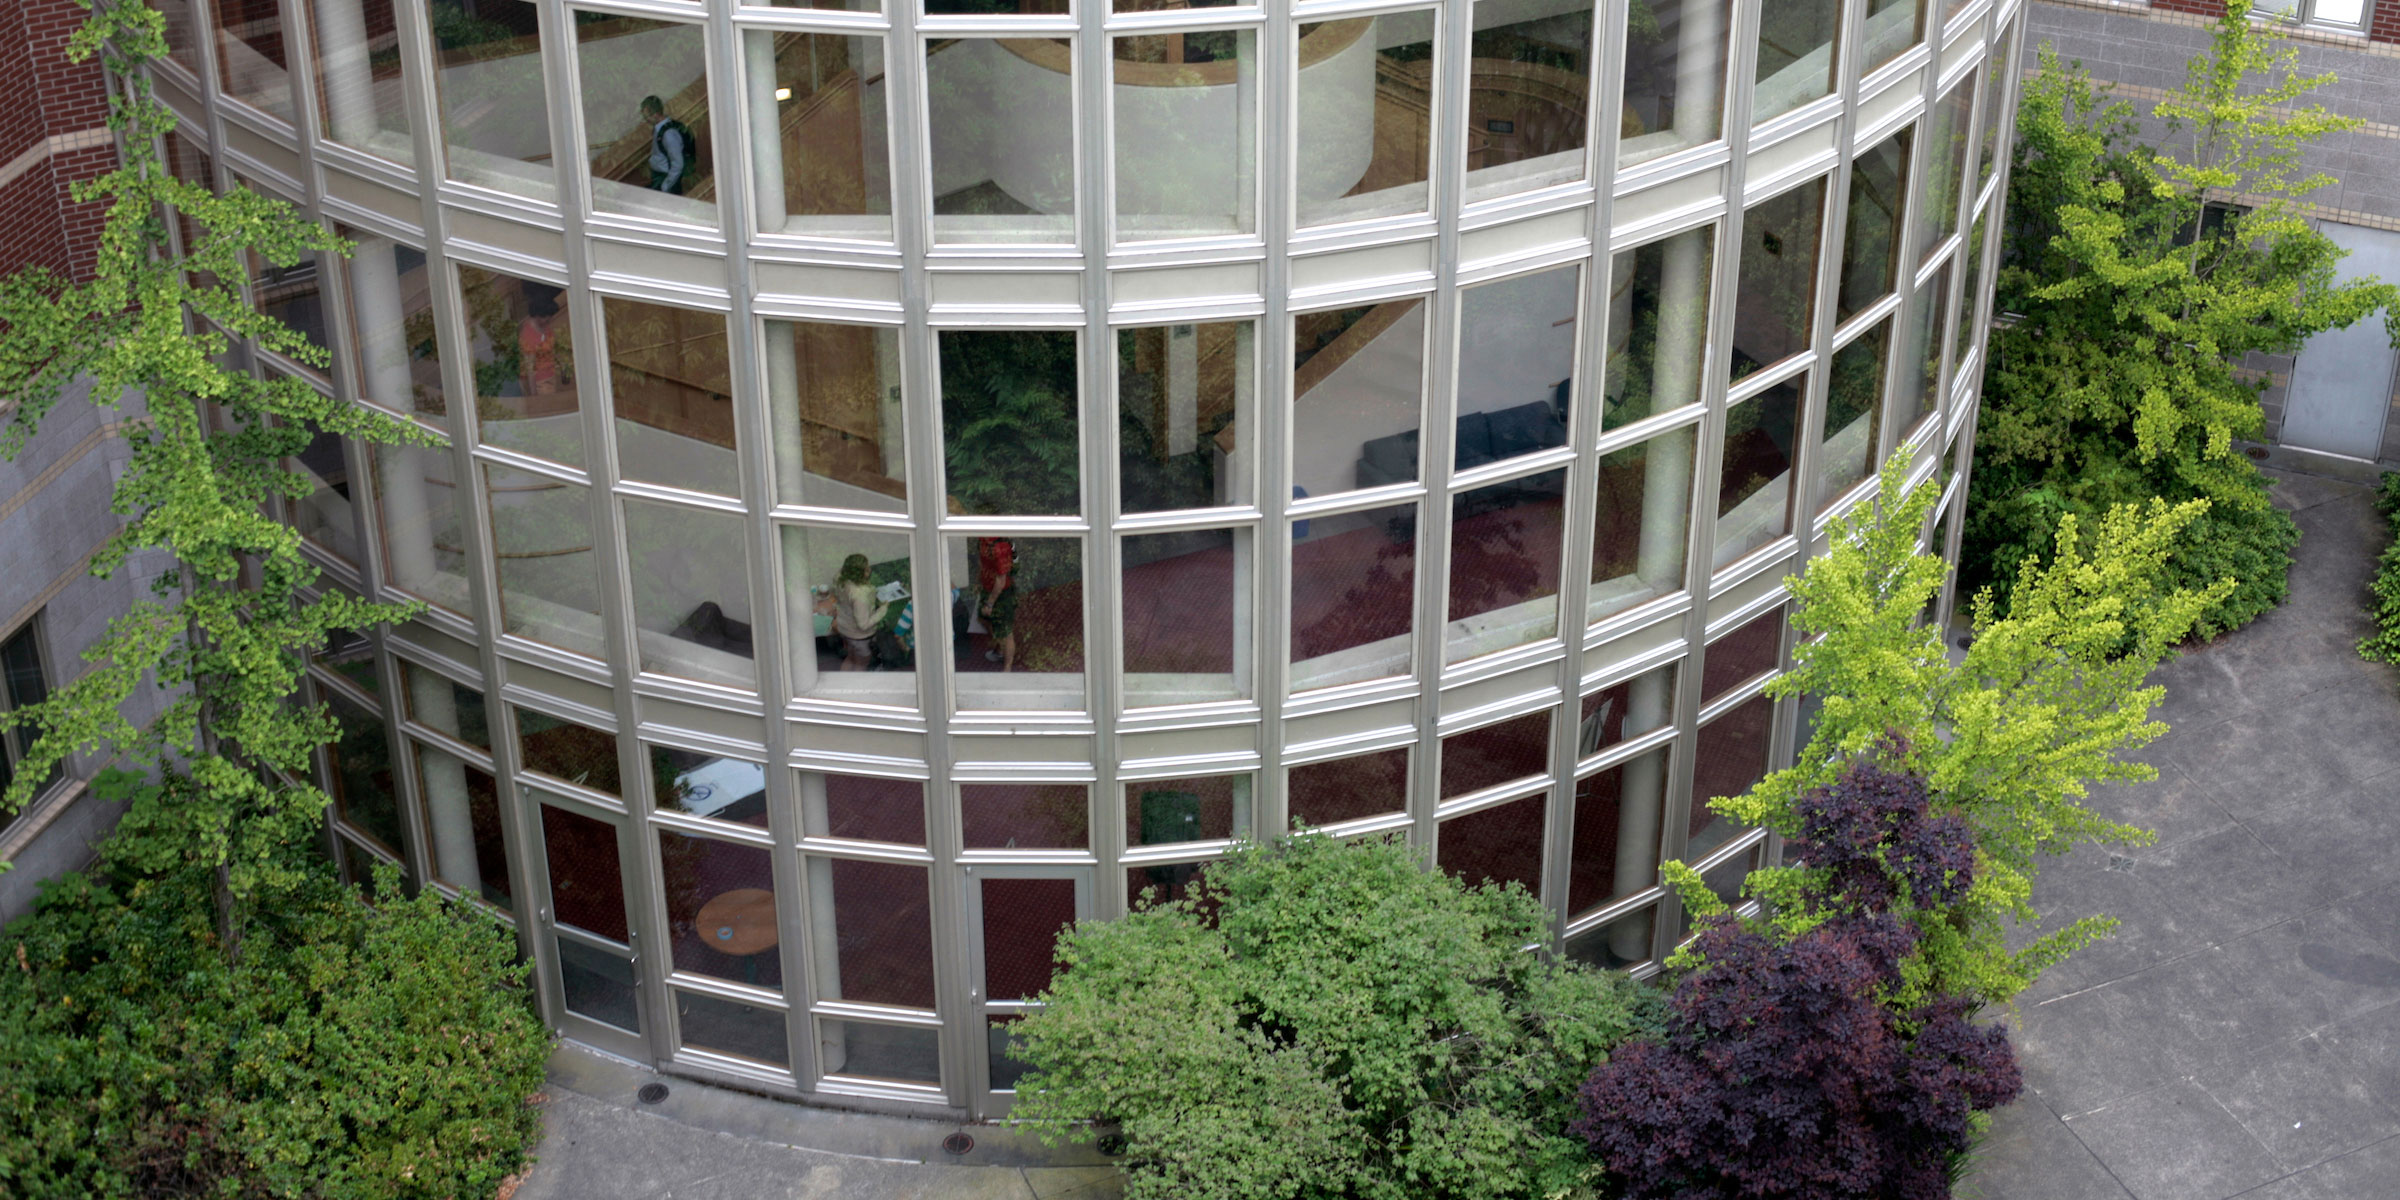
651,1093
958,1143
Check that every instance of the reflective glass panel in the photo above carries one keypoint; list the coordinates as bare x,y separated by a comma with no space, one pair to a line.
1505,541
523,346
565,750
1741,654
1871,245
1754,486
1496,845
727,1027
833,400
1163,811
1916,385
1186,115
324,515
363,787
598,985
1186,625
1853,413
859,1049
1346,789
488,80
1516,362
672,389
691,593
252,65
1947,139
1674,76
1353,596
347,653
1657,326
1795,55
362,98
1625,710
1010,400
1184,398
1358,396
1772,311
646,125
441,703
424,550
1026,816
818,143
1731,757
1021,923
291,294
1002,112
183,41
850,613
1622,943
1642,524
460,809
1966,331
987,8
863,808
1502,752
1022,618
709,785
721,909
542,539
1366,116
587,884
396,358
873,927
1529,98
1892,27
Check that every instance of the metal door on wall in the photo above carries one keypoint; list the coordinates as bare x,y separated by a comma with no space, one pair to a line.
2341,388
596,992
1014,915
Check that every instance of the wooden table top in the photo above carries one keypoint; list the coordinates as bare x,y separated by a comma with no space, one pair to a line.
740,922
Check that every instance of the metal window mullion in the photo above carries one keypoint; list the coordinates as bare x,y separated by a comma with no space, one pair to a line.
1445,182
1270,421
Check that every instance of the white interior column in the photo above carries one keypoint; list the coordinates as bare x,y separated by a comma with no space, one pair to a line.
349,84
833,1049
1701,59
447,812
766,129
1183,389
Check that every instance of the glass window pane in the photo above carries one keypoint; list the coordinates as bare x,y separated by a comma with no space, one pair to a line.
598,985
873,932
1163,811
821,154
363,789
863,808
744,1030
1126,6
1026,816
1186,133
1502,752
1346,789
1918,383
360,91
671,386
1366,127
290,294
833,396
324,515
1186,623
902,1053
1853,413
1773,310
565,750
1965,332
853,5
1871,246
1996,68
985,8
691,593
1358,396
542,539
721,909
1626,710
1022,919
1529,101
1500,844
397,361
441,703
495,120
347,653
709,785
523,347
183,41
1161,883
1754,489
1657,326
1022,617
1674,76
1795,55
1732,756
1892,27
1516,362
1505,543
1725,879
587,883
1184,396
1353,596
1622,943
1010,400
1946,143
1741,654
424,550
1002,113
461,814
1642,524
645,116
851,614
251,63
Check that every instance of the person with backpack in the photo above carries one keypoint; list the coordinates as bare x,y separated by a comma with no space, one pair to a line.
670,148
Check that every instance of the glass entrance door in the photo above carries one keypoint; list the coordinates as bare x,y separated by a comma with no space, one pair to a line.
1014,915
596,990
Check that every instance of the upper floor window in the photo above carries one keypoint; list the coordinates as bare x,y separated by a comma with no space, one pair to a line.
23,681
2314,12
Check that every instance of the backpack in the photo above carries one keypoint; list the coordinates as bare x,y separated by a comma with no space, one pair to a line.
691,146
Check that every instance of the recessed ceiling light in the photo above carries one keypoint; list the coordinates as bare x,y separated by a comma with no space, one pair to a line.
783,93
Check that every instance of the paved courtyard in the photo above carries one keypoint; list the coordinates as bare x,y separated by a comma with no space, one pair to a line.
2240,1035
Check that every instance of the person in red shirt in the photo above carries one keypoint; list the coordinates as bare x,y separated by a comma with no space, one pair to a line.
996,581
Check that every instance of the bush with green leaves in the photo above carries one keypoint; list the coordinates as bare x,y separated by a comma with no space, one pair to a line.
1327,1019
359,1050
2383,591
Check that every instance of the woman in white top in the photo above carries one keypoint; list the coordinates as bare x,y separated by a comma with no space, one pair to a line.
856,613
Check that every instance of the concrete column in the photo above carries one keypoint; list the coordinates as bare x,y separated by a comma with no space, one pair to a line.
766,130
349,84
800,609
833,1049
1183,389
448,815
1700,62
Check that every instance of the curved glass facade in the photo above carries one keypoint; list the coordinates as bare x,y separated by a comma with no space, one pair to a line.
908,478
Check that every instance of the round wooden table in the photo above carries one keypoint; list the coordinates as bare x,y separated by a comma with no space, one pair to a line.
740,923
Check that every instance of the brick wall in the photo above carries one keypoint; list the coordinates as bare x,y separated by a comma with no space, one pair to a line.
52,134
2205,8
2383,20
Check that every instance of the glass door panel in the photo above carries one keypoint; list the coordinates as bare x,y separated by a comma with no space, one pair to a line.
1016,914
583,914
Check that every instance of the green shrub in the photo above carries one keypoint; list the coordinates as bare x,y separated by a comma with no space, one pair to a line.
2383,604
375,1052
1327,1019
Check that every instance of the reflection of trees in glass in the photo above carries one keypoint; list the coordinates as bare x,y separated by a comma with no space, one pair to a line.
1152,477
576,753
1008,421
362,766
1778,286
1629,389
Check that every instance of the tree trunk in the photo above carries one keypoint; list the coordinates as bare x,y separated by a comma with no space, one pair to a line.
229,924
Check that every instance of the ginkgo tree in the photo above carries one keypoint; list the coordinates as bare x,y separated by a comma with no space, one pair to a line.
215,777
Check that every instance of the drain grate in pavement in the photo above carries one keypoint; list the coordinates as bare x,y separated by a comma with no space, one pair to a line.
2120,862
651,1093
958,1143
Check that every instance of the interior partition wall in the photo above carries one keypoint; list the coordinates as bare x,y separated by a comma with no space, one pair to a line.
904,478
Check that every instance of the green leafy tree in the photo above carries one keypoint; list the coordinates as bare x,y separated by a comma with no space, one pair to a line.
2009,737
2383,591
226,623
2142,275
1327,1019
